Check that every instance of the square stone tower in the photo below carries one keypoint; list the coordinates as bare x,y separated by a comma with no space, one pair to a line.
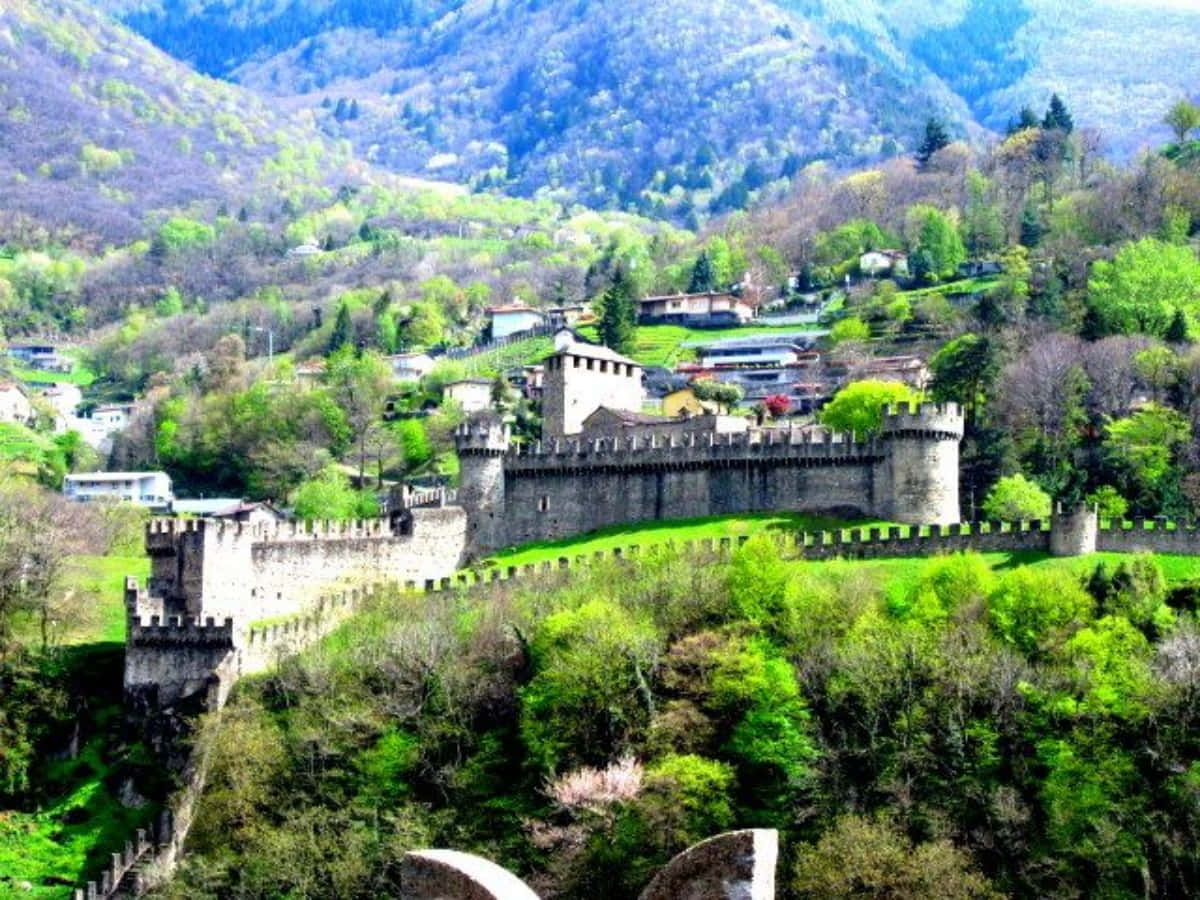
579,379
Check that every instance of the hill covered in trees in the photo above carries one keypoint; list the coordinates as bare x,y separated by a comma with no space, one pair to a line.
678,107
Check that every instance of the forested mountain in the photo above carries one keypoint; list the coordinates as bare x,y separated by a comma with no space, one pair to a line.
678,105
100,131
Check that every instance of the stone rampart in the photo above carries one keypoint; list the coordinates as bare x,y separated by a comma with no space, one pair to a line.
737,865
554,489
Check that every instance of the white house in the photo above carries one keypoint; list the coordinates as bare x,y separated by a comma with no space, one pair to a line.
511,319
874,263
64,399
14,404
151,489
472,394
411,366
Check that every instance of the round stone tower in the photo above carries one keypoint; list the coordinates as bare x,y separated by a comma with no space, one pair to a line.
917,480
482,443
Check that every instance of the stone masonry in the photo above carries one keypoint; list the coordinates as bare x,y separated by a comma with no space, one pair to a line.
515,494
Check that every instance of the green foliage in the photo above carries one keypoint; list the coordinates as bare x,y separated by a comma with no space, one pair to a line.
860,857
858,407
1036,610
181,234
343,331
709,390
586,701
962,371
850,328
618,313
933,234
1108,502
687,799
758,581
849,241
330,496
935,139
1015,498
1182,118
1144,286
1142,449
1112,659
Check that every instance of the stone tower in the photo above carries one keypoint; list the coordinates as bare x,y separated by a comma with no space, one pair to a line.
916,482
482,443
579,379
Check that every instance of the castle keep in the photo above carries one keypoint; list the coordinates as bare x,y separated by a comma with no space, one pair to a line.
561,487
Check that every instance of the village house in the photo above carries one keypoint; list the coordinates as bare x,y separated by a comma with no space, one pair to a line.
877,263
513,319
472,394
40,356
565,316
14,404
709,310
411,366
231,509
149,489
911,370
64,400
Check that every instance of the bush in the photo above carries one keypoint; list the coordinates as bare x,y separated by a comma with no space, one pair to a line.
1016,498
1036,609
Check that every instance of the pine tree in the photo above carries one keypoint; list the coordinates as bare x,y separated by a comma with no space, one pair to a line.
618,313
1026,119
342,329
1057,116
935,139
702,275
1177,332
1031,228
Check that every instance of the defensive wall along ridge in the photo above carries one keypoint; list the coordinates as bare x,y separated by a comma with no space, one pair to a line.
516,494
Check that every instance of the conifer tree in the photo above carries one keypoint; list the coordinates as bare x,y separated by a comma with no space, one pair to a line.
702,275
618,313
1177,331
342,329
1057,117
935,139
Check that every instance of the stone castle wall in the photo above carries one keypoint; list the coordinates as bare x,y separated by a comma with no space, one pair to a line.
558,488
205,568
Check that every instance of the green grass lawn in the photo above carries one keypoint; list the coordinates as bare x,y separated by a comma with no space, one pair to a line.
646,534
80,375
100,582
965,286
661,345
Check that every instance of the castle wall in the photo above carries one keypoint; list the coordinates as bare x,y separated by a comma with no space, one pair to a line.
248,572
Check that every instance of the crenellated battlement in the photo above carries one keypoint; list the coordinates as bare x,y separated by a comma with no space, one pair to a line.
162,532
484,435
181,631
706,449
937,420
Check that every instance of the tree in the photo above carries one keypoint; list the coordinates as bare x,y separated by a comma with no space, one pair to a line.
860,857
343,329
618,313
850,328
1025,120
858,407
1016,499
1057,118
1182,118
962,371
709,390
702,275
935,139
358,385
330,496
933,232
777,405
1142,448
1147,282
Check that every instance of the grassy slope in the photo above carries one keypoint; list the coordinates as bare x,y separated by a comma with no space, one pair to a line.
662,345
78,820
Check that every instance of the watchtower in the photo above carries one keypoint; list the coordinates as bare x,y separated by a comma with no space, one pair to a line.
482,443
916,481
579,379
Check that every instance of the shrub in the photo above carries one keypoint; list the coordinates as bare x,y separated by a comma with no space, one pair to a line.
1035,609
1016,498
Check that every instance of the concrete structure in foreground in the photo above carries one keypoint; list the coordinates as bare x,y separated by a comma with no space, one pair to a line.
559,488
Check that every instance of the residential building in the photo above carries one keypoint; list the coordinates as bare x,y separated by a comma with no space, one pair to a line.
513,319
411,366
14,404
40,356
771,349
150,489
709,310
911,370
565,316
233,509
876,263
472,394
